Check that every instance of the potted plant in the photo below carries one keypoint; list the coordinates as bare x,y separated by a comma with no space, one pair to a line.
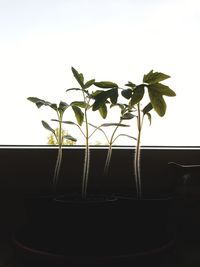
91,228
39,204
137,209
64,225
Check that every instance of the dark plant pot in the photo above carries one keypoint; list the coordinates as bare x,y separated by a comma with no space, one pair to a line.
98,230
39,210
146,223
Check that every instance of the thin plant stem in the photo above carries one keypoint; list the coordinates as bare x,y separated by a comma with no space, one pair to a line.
108,158
87,153
59,156
137,156
109,153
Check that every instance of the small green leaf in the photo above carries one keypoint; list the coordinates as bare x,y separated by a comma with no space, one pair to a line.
63,106
127,116
126,135
114,124
69,137
162,89
157,102
47,127
103,111
149,117
113,95
147,108
39,102
78,76
80,104
138,94
154,77
89,83
127,93
53,106
78,114
55,120
130,84
106,84
68,122
73,89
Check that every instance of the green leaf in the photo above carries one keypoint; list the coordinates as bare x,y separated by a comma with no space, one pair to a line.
78,114
127,116
126,135
147,108
47,127
127,93
113,95
89,83
138,94
154,77
69,137
106,84
149,117
130,84
162,89
78,76
103,111
73,89
157,102
53,106
68,122
63,106
39,102
100,100
114,124
80,104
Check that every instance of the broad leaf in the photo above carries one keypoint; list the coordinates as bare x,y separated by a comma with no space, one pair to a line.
103,111
47,127
162,89
106,84
100,100
89,83
157,102
154,77
80,104
69,137
127,93
78,114
147,108
79,77
138,94
113,95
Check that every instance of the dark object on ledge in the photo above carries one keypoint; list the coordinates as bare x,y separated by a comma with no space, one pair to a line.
99,230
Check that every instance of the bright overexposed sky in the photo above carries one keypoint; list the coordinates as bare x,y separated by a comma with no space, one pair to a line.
117,40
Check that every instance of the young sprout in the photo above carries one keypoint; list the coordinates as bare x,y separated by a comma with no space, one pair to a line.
114,136
59,135
135,94
80,109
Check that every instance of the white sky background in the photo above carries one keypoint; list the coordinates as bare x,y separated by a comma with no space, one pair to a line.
117,40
